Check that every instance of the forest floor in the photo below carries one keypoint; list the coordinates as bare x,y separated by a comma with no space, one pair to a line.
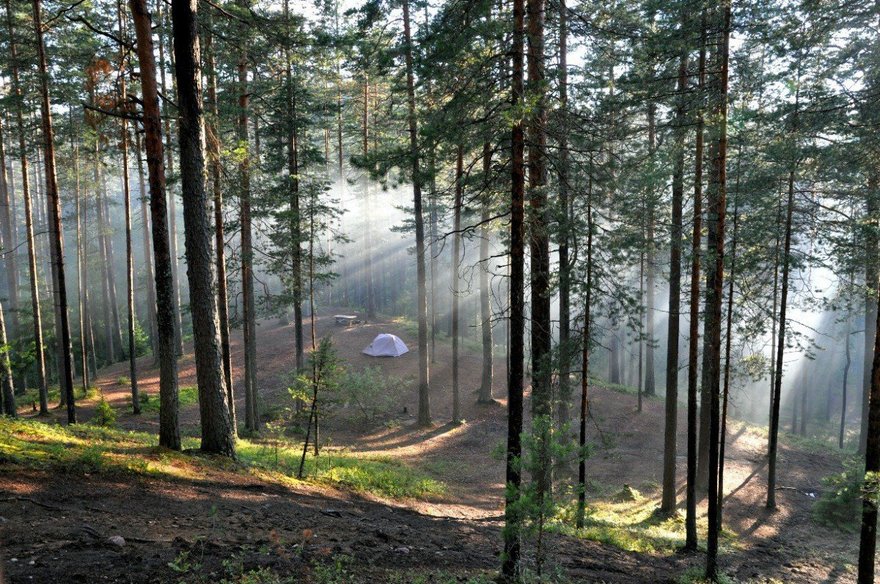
187,517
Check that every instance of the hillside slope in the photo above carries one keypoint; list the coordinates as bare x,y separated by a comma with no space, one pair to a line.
184,524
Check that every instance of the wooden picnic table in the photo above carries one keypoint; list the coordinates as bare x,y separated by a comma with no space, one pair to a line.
346,319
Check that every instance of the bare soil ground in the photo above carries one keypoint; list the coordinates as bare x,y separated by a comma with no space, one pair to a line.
54,528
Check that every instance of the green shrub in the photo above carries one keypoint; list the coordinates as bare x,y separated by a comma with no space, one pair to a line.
186,396
371,393
105,415
841,502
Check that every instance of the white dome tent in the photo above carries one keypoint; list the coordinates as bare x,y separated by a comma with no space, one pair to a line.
386,345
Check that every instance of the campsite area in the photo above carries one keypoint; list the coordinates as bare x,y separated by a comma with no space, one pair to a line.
192,518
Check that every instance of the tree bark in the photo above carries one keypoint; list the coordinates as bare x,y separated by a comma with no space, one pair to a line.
126,198
694,335
218,434
456,259
53,201
219,228
650,383
485,393
7,391
539,247
7,243
368,258
166,315
780,348
82,293
148,256
510,568
727,350
844,384
565,356
670,433
28,220
717,209
872,285
171,207
252,420
296,220
115,325
585,359
868,537
424,415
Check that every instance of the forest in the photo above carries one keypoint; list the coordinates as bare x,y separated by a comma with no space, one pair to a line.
436,291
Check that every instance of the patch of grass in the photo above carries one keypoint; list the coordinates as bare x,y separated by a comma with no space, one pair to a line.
442,577
123,380
632,525
407,325
87,448
620,388
379,475
93,448
187,396
32,395
813,444
696,575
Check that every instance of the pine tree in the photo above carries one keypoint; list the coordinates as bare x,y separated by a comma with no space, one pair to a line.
218,435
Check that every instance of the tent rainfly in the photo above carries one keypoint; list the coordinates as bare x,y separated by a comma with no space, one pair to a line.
385,345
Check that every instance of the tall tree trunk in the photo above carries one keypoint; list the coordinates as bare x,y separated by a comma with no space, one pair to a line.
780,348
166,314
868,537
539,248
219,228
775,315
845,382
424,415
82,293
126,198
7,391
39,348
296,221
106,265
727,350
107,234
650,383
717,209
872,284
694,309
171,206
803,405
368,258
218,434
53,201
7,242
641,341
670,433
485,393
87,308
564,229
148,256
252,419
585,359
456,260
510,568
432,242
